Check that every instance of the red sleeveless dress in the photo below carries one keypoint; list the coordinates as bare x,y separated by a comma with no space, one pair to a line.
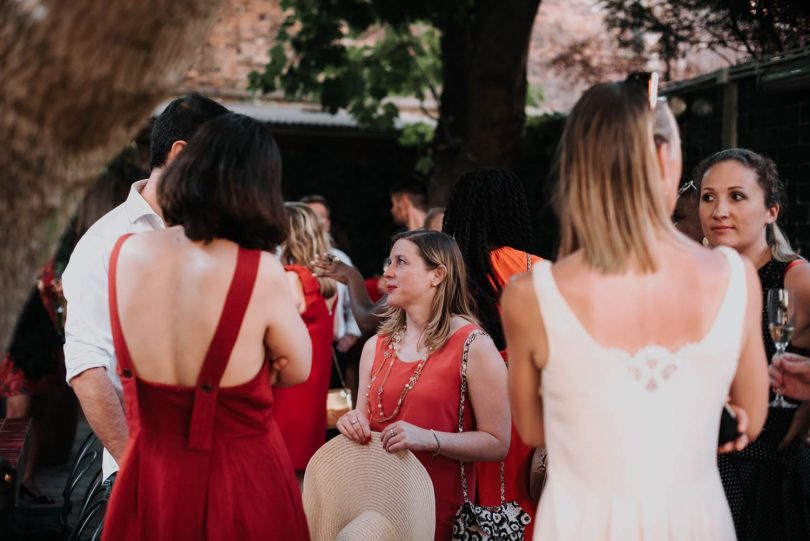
301,410
507,262
203,462
432,403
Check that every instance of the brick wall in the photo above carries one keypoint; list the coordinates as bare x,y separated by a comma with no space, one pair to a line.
238,44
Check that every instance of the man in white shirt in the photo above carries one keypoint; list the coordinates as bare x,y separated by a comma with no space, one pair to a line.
89,351
346,331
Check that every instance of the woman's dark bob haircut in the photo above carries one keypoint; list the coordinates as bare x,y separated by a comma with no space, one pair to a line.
226,184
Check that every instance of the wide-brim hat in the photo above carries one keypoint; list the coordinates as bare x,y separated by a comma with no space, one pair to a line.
363,493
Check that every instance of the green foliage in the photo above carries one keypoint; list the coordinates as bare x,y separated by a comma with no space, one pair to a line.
755,27
419,135
416,135
323,52
534,96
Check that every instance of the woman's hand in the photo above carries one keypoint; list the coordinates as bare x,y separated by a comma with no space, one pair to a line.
400,435
790,375
329,266
276,366
742,425
354,425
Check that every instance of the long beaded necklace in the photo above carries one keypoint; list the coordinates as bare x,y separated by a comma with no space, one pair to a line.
390,352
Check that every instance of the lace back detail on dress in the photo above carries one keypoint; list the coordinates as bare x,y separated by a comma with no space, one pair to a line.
653,365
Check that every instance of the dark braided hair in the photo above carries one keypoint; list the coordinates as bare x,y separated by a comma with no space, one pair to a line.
487,210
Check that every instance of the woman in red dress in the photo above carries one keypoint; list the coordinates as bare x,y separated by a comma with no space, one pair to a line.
488,216
35,367
199,312
301,410
411,373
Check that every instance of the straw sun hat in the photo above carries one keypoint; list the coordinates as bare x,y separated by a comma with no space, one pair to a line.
363,493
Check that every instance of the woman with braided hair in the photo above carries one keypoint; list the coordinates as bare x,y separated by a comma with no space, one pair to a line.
488,216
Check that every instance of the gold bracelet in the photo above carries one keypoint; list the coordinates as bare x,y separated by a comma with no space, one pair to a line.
438,443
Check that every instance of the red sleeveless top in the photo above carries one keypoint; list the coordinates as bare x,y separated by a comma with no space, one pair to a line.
432,403
301,410
203,462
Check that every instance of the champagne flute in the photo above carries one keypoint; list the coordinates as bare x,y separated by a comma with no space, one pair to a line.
781,307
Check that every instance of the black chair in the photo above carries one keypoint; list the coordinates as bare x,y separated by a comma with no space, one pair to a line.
85,527
87,459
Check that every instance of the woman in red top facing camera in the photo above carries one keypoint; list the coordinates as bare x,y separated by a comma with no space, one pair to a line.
410,377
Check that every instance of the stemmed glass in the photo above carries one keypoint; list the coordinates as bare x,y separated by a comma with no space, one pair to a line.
781,307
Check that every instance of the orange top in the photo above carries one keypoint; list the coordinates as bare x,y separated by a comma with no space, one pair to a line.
506,262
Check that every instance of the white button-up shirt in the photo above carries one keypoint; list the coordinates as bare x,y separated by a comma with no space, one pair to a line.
88,334
344,318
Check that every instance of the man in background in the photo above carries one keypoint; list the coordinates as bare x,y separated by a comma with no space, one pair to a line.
89,352
409,204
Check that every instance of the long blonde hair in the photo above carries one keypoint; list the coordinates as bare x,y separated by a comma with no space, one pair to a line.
451,299
306,240
609,197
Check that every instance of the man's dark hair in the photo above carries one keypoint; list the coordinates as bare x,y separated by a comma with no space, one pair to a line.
227,184
487,210
178,122
416,192
315,198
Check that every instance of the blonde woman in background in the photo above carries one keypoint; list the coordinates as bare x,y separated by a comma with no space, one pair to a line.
636,338
301,410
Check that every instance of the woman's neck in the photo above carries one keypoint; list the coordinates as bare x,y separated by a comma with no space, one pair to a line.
759,254
416,322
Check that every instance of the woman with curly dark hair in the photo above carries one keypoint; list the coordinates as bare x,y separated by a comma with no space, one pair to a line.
488,216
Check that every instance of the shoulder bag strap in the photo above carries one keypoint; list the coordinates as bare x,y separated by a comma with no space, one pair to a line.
464,358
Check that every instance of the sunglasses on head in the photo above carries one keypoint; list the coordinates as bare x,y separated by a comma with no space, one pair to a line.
647,82
686,187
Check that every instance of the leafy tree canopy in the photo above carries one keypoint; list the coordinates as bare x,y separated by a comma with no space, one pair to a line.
753,27
353,54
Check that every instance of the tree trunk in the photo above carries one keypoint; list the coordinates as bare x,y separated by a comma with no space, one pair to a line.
484,94
76,81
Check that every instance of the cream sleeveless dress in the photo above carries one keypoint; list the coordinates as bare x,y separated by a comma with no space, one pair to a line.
632,439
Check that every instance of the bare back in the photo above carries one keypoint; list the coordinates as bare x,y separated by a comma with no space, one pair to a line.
171,292
670,308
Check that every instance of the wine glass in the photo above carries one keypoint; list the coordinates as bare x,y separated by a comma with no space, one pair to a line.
781,307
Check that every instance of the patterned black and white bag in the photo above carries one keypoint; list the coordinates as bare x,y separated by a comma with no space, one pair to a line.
474,522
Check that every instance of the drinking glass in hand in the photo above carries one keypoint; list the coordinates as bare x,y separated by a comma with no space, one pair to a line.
781,307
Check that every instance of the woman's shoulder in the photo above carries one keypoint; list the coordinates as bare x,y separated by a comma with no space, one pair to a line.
462,328
459,322
797,276
151,247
